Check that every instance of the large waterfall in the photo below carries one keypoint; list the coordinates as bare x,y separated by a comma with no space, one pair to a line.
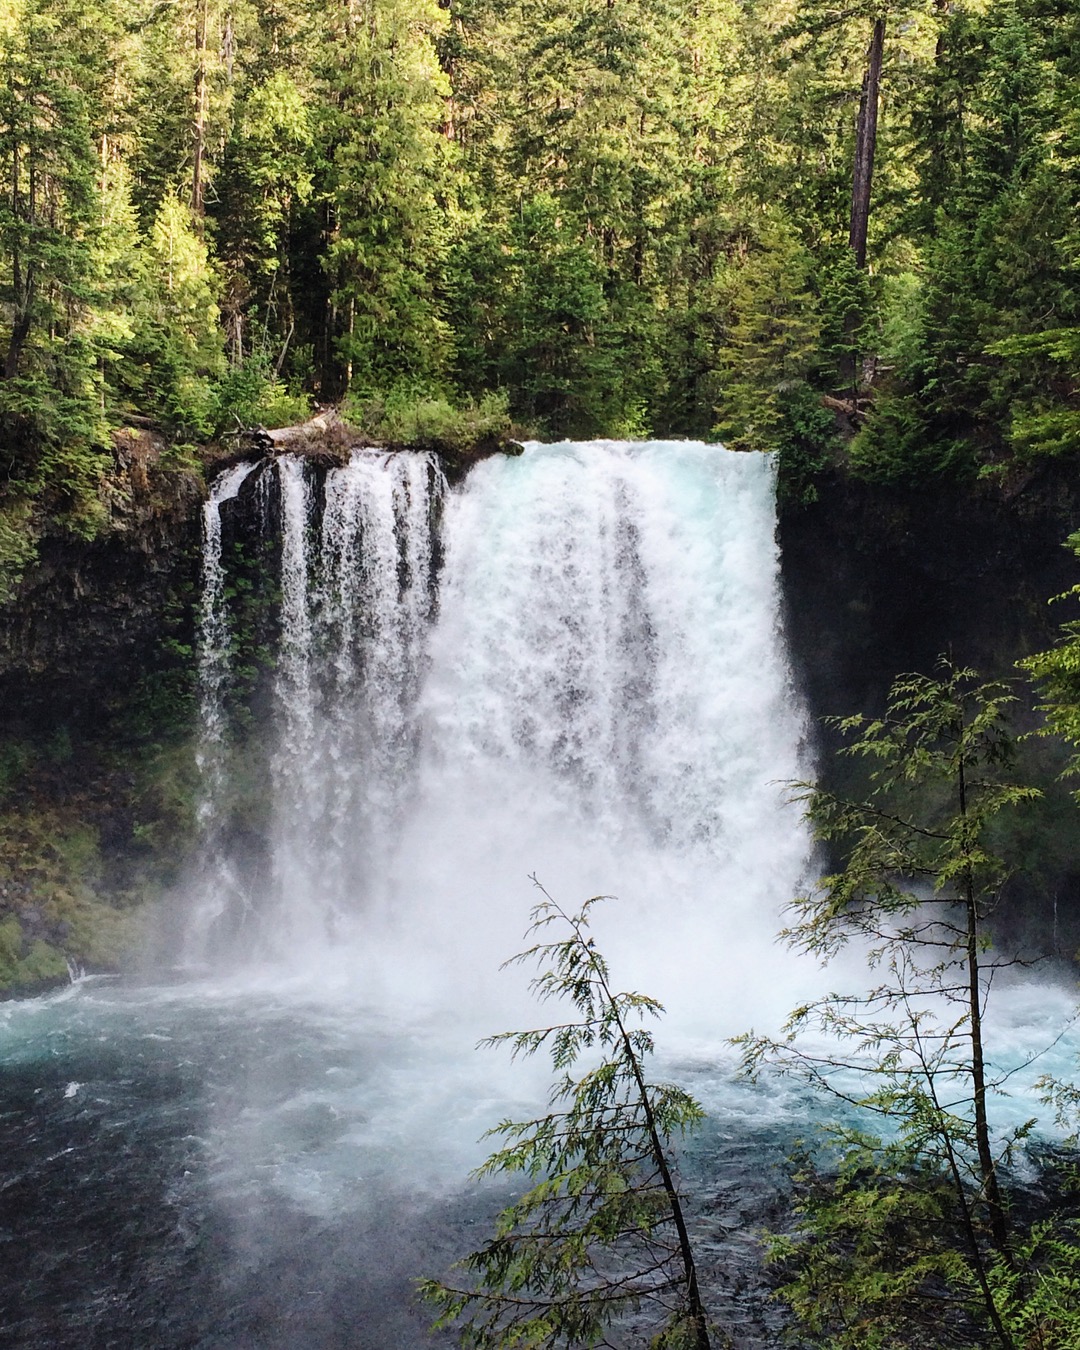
592,687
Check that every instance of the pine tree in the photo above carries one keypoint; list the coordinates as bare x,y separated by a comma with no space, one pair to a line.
383,180
50,215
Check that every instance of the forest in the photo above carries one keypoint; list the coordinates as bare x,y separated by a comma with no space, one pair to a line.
843,235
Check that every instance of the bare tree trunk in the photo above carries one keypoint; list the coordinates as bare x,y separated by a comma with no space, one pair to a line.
23,272
987,1169
865,143
228,45
699,1322
199,120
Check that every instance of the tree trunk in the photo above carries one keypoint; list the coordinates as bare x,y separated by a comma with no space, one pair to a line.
199,120
987,1169
699,1322
23,271
865,143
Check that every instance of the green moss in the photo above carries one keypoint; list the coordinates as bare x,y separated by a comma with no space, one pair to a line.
10,946
62,896
42,962
24,963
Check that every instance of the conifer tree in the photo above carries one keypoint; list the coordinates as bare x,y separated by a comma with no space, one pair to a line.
917,1216
384,164
601,1233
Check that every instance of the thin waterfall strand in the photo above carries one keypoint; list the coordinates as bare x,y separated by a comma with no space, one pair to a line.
219,881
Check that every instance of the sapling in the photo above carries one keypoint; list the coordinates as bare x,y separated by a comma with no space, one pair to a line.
600,1235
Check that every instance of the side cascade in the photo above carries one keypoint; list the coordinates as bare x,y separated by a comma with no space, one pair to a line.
215,640
571,664
357,597
357,593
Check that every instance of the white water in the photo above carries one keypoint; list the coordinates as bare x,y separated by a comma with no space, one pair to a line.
608,706
599,694
219,882
593,688
357,599
214,637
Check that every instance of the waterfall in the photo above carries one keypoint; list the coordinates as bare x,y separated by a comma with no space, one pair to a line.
357,586
214,637
218,883
412,696
608,704
593,688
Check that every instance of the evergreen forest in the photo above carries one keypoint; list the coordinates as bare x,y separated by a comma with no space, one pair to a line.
843,233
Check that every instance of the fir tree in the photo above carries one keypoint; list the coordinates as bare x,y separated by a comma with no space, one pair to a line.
601,1233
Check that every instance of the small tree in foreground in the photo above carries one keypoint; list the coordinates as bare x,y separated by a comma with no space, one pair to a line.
910,1242
600,1235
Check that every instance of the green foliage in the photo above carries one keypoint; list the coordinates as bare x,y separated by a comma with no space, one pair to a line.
405,418
632,219
1045,420
175,354
51,419
987,378
600,1233
384,161
898,446
51,877
537,308
877,1243
773,344
250,395
17,543
775,362
919,877
1039,1289
26,964
1056,673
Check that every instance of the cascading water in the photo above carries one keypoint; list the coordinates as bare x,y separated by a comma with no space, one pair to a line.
357,597
599,694
356,592
608,704
219,880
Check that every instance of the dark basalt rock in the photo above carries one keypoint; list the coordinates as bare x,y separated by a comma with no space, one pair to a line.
881,581
88,619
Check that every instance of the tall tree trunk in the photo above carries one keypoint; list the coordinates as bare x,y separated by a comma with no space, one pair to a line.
23,271
228,44
199,120
866,142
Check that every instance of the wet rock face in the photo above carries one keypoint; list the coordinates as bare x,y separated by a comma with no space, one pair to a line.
87,622
876,581
879,582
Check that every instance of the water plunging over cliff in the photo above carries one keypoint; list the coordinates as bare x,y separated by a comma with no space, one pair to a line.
593,686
